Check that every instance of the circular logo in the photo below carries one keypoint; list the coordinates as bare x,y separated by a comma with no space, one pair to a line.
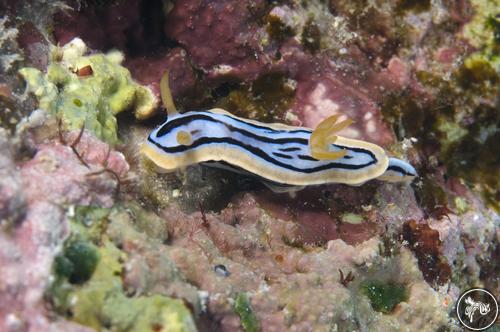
477,309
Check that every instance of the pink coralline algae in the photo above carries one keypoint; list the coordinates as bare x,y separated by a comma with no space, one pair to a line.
264,259
224,41
230,31
326,94
119,22
232,47
57,167
53,180
182,77
318,215
12,200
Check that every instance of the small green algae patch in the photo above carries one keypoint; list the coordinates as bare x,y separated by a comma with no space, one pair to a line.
459,128
90,222
384,296
147,222
88,286
431,194
78,261
352,218
153,313
11,113
483,31
244,310
88,90
266,99
80,255
452,131
418,6
277,29
461,205
311,36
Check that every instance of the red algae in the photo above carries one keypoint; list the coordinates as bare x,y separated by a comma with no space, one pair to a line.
425,242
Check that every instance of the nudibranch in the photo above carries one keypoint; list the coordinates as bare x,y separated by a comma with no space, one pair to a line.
284,157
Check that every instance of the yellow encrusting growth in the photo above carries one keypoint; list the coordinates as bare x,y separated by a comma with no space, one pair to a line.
184,138
166,95
324,135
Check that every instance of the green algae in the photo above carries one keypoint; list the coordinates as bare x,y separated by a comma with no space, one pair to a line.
153,313
417,6
147,222
86,303
88,286
475,158
88,90
103,302
277,29
77,262
90,222
459,127
407,117
431,194
352,218
478,74
384,296
452,131
243,308
80,255
483,31
493,23
461,205
293,242
311,36
11,113
266,99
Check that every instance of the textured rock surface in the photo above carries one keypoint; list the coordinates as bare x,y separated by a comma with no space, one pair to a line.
91,273
50,182
12,202
267,261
